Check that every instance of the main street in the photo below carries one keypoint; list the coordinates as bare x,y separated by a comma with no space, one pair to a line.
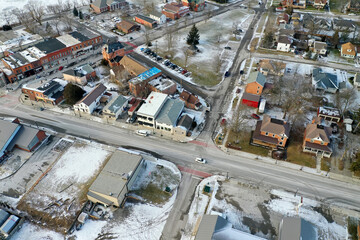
322,188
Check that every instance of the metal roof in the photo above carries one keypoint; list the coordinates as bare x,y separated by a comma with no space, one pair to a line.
116,173
94,94
115,104
79,36
257,77
25,136
8,131
170,112
153,104
295,228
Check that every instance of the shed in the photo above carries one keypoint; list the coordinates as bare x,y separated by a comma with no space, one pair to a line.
251,100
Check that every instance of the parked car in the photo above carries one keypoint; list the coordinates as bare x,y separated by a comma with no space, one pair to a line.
238,90
200,160
144,133
167,63
187,74
158,58
184,71
223,121
61,68
255,116
228,48
227,74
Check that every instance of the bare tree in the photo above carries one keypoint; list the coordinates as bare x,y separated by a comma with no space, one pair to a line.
238,119
187,55
56,23
7,16
218,62
68,23
147,36
344,98
24,18
169,39
36,10
67,6
208,15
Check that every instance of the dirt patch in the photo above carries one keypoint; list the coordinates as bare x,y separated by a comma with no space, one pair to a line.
325,212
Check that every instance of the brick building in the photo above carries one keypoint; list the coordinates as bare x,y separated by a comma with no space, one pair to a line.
138,86
175,10
191,100
194,5
100,6
50,92
146,21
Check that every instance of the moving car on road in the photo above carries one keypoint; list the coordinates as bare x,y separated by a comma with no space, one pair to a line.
200,160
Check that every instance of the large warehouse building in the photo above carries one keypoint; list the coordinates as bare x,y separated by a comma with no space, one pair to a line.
115,179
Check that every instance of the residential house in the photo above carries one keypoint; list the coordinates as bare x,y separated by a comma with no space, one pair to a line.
295,228
146,21
353,5
162,85
329,114
91,101
16,135
348,50
80,75
158,17
271,132
191,100
134,104
138,86
115,107
251,100
267,66
327,82
319,3
150,109
344,25
167,119
132,66
357,80
255,83
320,48
116,179
317,139
294,3
100,6
127,26
50,92
175,10
215,227
194,5
184,125
284,44
283,18
296,16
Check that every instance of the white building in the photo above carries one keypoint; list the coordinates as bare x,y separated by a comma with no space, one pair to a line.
115,107
284,44
91,101
158,17
168,116
150,109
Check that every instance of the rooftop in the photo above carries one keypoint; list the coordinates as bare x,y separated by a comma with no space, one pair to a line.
297,228
112,47
93,95
79,36
114,176
251,97
161,83
145,75
46,88
275,126
68,40
147,19
153,104
170,112
115,104
8,130
257,77
50,45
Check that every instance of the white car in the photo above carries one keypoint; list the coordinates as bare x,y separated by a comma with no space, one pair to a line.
200,160
144,133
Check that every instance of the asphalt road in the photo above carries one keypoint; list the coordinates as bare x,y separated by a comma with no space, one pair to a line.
310,185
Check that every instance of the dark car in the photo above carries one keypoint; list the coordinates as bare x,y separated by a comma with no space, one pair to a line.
227,74
228,48
174,66
158,58
241,72
255,116
167,63
238,90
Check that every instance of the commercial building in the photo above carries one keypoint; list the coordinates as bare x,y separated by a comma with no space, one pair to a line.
132,66
158,17
162,85
167,119
14,134
184,125
151,108
111,186
138,86
146,21
50,92
175,10
127,26
91,101
115,107
80,75
113,52
100,6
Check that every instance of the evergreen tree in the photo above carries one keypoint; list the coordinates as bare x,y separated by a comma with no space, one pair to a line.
308,55
75,12
73,93
193,36
268,39
81,16
335,40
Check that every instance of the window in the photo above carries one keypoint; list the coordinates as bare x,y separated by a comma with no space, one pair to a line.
266,133
312,140
282,138
273,135
322,142
281,143
258,87
257,91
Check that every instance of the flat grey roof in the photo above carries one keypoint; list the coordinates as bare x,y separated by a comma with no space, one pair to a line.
153,104
7,130
25,136
116,103
112,178
170,112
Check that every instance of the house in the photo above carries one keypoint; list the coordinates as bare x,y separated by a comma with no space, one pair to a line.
317,139
162,85
294,3
348,50
344,25
190,99
100,6
15,135
320,48
91,101
116,179
251,100
295,228
151,108
255,83
113,52
271,132
167,119
184,125
138,86
158,17
115,107
135,104
194,5
267,66
329,114
80,75
283,19
132,66
353,5
357,80
284,44
296,16
175,10
319,3
146,21
327,82
50,92
127,26
214,227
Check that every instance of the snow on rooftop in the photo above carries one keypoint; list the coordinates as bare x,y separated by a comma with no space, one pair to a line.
28,56
68,40
161,83
329,111
36,52
22,37
153,104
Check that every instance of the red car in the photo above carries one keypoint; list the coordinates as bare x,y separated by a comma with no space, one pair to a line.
61,68
184,71
223,121
255,116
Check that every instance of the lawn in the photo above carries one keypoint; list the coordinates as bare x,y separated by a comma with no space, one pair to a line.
244,143
295,155
337,5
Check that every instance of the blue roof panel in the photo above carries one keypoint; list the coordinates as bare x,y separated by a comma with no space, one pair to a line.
149,73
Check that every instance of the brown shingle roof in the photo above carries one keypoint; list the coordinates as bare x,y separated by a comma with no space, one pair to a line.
125,25
133,66
257,135
251,97
348,46
175,7
275,126
94,94
315,130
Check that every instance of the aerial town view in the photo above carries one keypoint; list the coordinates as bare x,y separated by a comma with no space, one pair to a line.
180,119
